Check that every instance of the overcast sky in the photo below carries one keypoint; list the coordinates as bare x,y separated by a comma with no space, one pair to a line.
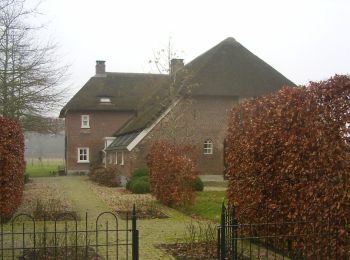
304,40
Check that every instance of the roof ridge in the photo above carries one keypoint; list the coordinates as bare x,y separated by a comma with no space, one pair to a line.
136,74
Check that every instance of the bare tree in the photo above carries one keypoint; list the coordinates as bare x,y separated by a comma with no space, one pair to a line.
30,73
176,126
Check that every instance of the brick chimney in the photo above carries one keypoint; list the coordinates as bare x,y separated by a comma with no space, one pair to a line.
175,65
100,68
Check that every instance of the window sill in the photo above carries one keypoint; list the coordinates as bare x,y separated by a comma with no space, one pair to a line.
83,161
85,127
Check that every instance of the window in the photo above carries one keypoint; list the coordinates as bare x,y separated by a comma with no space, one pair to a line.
122,160
85,121
208,147
83,155
116,157
105,100
110,160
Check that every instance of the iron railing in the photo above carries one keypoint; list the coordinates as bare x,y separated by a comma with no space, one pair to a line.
279,239
66,237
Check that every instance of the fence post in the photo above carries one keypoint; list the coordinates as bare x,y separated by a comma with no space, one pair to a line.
222,233
135,236
235,234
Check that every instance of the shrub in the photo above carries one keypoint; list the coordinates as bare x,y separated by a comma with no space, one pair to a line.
288,158
11,166
140,186
172,173
140,173
139,181
105,176
198,185
48,209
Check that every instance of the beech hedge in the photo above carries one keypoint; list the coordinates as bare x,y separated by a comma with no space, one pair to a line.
288,160
106,176
12,166
172,173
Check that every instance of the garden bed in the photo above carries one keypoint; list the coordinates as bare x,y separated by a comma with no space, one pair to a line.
46,198
121,200
192,251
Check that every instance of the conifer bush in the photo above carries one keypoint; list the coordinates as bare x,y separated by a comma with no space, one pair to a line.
288,160
139,181
11,166
198,184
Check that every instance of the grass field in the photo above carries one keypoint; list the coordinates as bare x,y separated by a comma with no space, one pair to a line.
42,170
207,205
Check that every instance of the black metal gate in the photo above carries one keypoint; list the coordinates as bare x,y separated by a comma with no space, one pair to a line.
67,237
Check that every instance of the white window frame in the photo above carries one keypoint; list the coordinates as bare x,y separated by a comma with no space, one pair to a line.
85,121
116,157
87,160
208,147
122,159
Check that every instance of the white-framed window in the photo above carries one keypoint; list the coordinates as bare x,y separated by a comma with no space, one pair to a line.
110,159
208,147
105,100
122,159
116,157
85,121
83,155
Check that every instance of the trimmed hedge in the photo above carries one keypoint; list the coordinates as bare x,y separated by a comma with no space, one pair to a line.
140,186
172,173
12,166
288,160
105,176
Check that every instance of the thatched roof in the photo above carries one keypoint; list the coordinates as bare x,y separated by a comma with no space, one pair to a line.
127,92
227,69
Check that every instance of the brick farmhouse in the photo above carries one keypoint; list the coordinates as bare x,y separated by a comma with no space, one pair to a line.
115,117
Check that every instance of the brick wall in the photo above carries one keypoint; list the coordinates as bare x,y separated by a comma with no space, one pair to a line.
102,124
192,121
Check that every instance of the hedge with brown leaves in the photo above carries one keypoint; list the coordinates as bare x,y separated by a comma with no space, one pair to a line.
11,166
288,158
172,173
106,176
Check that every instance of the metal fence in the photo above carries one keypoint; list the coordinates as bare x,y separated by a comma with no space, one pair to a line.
280,240
66,237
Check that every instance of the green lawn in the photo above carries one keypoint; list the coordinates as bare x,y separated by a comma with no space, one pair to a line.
43,170
207,205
